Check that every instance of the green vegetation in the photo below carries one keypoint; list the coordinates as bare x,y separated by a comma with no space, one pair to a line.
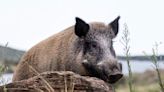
125,42
156,66
143,82
141,88
3,68
155,62
149,81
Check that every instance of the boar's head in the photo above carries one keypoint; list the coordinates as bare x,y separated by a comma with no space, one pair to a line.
96,43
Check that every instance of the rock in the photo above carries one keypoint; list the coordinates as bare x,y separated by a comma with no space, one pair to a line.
63,81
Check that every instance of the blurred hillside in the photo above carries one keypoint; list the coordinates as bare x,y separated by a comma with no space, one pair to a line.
141,58
10,55
9,58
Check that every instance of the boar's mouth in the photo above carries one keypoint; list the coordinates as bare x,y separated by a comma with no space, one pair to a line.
114,78
109,77
95,71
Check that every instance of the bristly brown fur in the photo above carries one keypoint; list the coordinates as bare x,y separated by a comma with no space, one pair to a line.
66,51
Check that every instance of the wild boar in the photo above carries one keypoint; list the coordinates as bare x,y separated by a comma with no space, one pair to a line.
86,49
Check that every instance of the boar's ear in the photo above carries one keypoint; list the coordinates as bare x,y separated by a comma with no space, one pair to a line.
81,28
115,25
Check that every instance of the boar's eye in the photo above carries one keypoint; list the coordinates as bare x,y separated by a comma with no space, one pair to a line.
91,47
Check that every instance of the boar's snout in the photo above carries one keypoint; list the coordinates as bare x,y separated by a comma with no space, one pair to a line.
114,72
115,77
109,72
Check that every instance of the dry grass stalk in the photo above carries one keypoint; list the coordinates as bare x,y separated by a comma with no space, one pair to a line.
50,89
125,42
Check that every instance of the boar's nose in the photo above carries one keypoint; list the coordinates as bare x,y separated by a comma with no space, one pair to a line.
115,77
